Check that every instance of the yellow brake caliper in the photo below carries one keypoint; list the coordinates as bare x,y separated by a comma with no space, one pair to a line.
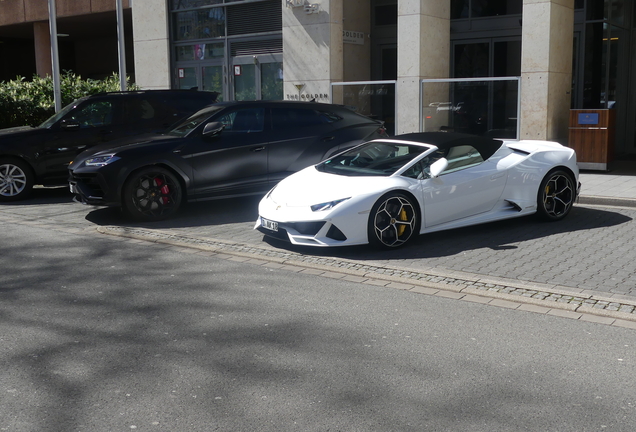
403,217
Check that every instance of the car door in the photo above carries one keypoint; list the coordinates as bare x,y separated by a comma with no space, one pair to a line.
89,124
235,161
300,137
469,186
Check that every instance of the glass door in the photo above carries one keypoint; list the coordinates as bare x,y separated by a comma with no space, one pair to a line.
201,66
212,79
258,77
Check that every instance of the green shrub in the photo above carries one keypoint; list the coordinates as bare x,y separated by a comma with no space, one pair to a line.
31,102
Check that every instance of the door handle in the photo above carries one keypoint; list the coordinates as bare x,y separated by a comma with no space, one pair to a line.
257,149
329,138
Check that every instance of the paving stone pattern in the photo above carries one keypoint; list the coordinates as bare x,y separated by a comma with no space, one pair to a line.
370,270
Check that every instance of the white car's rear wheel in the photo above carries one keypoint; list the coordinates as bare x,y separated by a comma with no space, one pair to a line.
556,195
393,221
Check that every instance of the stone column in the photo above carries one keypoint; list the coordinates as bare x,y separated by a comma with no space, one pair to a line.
313,50
423,52
151,43
42,37
546,69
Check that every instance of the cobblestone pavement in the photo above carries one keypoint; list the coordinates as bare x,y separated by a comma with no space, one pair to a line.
585,262
592,251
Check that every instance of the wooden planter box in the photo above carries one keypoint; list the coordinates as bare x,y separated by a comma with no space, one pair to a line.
592,137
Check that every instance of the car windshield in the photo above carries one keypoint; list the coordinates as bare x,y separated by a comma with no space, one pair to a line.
60,114
376,158
189,124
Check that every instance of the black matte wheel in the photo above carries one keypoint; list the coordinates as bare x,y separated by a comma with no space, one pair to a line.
152,194
556,195
393,221
16,180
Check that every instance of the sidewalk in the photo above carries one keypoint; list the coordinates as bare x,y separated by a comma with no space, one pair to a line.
616,187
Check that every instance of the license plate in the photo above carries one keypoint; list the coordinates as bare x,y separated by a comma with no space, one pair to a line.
270,225
72,187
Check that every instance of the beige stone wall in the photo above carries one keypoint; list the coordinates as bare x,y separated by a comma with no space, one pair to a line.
151,43
313,50
423,52
546,69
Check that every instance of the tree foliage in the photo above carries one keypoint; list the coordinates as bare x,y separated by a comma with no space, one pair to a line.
30,102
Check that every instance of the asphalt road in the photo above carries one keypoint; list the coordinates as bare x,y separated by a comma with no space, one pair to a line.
592,249
99,333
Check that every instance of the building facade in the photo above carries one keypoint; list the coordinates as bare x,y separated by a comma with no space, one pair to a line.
565,54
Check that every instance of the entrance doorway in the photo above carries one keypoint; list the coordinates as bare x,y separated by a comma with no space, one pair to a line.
257,77
207,77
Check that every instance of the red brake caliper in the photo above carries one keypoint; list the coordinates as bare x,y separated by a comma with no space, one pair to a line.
165,190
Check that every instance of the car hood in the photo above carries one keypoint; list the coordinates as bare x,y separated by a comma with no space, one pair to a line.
310,186
16,130
126,143
13,133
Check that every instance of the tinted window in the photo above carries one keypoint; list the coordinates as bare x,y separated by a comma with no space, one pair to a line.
93,114
286,118
138,111
196,119
245,120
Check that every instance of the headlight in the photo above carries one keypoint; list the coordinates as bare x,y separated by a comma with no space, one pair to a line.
327,205
99,161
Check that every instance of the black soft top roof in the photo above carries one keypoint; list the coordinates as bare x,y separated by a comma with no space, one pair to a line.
445,140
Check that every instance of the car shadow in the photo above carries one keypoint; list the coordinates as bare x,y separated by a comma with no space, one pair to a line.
206,213
499,235
44,195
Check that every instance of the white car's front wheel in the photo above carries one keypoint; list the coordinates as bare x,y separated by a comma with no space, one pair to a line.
557,193
393,221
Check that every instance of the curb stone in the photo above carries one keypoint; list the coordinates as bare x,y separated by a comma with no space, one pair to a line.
579,305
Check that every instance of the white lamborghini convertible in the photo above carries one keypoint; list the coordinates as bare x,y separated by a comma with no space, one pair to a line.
387,191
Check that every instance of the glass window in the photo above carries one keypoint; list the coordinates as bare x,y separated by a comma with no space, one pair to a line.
245,120
376,158
187,78
138,111
94,114
459,9
199,24
200,52
245,82
594,10
487,8
472,60
292,118
213,80
272,81
462,157
386,15
196,119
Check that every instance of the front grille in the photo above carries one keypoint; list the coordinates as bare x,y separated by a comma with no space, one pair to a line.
88,183
307,228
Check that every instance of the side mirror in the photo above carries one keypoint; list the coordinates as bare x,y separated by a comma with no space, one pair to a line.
69,124
438,167
213,128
